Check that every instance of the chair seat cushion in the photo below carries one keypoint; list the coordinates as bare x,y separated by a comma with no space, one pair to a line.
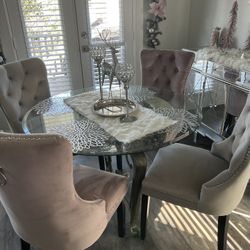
92,184
178,173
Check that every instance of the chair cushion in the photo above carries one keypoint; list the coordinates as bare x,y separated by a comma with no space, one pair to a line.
92,184
178,173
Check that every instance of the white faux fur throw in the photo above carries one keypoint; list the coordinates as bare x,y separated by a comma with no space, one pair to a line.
233,58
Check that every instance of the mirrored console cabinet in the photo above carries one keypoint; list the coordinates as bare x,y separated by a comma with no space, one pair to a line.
221,94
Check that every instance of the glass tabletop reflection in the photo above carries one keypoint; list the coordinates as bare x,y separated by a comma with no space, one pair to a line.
89,137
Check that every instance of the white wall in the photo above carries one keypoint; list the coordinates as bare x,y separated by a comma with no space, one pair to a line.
189,23
207,14
176,27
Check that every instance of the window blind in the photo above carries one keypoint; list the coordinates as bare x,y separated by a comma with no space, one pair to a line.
106,14
43,27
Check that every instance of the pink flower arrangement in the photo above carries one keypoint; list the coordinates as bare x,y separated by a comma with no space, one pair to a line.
157,8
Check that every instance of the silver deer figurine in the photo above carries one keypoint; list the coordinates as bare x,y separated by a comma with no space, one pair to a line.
108,69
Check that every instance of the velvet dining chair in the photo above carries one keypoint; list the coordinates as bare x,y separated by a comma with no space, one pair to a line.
166,72
22,85
211,182
52,205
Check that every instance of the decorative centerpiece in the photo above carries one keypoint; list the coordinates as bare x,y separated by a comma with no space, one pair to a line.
118,106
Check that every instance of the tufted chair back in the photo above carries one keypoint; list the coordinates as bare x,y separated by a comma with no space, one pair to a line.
22,85
166,72
225,191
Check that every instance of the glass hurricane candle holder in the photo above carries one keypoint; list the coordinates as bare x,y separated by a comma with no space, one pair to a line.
124,73
98,54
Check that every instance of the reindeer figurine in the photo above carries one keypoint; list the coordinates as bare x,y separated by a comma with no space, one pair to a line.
107,68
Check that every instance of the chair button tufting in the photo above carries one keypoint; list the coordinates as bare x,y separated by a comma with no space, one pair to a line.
23,88
10,78
176,70
20,103
26,72
35,97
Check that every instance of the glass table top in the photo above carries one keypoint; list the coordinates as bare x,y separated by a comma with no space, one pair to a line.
236,78
89,137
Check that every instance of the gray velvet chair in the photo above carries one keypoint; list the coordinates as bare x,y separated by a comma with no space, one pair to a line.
22,85
47,207
166,72
211,182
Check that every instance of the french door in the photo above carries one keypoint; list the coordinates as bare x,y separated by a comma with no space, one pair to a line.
93,16
60,32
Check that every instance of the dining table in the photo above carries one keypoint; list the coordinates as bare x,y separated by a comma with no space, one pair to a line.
157,124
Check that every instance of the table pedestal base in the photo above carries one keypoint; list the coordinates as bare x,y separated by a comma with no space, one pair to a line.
139,171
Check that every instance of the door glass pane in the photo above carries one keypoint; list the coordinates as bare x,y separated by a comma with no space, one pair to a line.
45,38
106,14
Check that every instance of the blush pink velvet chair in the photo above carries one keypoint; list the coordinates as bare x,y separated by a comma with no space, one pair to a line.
211,182
47,207
166,72
22,85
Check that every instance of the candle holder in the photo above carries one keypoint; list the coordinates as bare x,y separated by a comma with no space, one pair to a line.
124,73
98,54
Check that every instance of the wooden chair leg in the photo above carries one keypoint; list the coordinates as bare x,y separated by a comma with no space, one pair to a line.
24,245
119,164
144,208
101,163
223,222
121,219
